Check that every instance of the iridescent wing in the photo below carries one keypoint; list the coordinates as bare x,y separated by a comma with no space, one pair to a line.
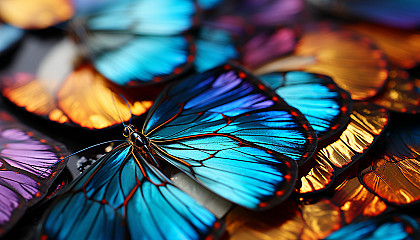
264,46
39,14
214,47
353,61
392,167
400,93
29,163
122,196
8,36
367,123
326,106
134,42
394,226
402,47
59,90
220,123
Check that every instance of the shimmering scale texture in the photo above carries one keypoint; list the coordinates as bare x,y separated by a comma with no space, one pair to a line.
355,200
354,62
394,172
401,14
38,14
8,36
29,164
76,95
394,226
400,93
267,45
136,42
214,47
324,104
402,47
220,123
287,221
367,122
123,196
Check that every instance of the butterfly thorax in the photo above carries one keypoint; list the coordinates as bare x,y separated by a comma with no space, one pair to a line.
141,142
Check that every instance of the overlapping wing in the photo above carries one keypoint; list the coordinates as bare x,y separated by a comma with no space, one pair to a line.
326,106
133,42
29,164
122,196
236,139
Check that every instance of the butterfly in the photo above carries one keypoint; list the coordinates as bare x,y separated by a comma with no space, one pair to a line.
28,167
8,36
220,129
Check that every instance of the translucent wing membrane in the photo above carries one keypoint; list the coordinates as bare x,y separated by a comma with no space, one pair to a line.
353,61
392,168
326,106
367,123
221,116
29,163
122,196
73,94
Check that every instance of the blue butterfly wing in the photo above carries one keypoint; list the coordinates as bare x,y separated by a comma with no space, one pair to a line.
8,36
133,42
123,196
131,60
237,140
144,17
396,226
326,106
214,47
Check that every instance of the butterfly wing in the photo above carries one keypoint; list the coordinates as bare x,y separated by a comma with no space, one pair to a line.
326,106
35,15
214,47
133,42
367,124
391,169
219,123
395,226
122,196
29,163
8,36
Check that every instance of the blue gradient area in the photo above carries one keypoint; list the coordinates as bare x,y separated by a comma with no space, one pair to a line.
378,228
208,4
114,194
214,47
8,36
144,17
316,96
125,58
232,137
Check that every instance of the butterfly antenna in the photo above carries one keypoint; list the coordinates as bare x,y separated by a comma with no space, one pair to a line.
118,110
129,109
84,149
